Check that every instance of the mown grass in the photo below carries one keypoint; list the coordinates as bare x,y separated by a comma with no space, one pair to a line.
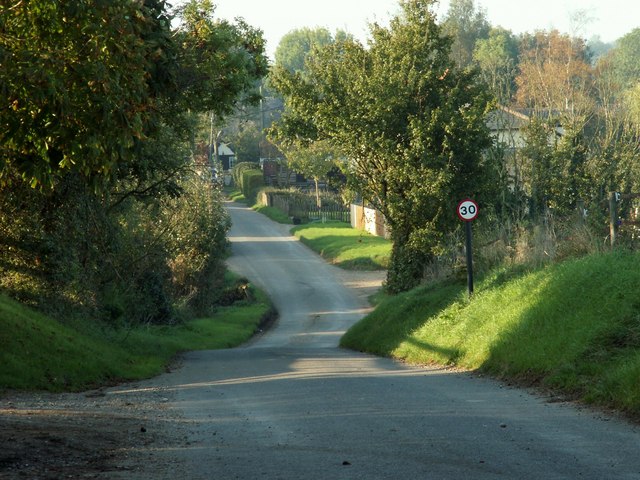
273,213
234,194
336,242
40,353
573,327
344,246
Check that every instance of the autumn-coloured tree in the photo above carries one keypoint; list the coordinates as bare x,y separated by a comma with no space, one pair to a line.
555,85
555,76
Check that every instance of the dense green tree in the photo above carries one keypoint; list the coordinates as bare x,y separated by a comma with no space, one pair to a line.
550,168
62,112
410,123
467,25
220,63
625,59
246,143
295,46
129,229
497,58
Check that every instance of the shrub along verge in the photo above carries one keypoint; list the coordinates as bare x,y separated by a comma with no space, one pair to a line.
572,327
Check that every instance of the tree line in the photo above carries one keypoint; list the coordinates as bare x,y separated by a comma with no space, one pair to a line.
107,206
106,199
407,118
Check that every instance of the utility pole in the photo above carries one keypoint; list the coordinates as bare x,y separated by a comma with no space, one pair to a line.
211,144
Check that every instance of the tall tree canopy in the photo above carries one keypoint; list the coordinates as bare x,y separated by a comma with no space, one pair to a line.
85,83
555,75
497,58
410,123
295,46
466,25
625,59
100,103
298,44
79,81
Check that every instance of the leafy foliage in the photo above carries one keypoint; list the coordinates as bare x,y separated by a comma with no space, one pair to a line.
314,160
298,45
252,180
63,113
497,58
125,225
295,46
468,26
624,59
554,74
238,170
246,143
410,123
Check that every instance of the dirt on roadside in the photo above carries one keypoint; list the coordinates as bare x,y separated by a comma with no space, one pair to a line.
97,434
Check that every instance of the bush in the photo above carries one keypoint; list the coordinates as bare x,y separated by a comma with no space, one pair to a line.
252,181
239,168
140,260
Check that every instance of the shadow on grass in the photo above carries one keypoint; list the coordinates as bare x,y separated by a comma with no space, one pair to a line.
397,319
573,327
351,252
451,353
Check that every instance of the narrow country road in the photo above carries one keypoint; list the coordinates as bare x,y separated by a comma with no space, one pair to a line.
292,405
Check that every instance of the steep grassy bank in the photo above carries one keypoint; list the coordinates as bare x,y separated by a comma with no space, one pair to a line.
574,327
39,353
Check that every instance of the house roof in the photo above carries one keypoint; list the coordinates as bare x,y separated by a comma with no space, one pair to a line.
504,118
223,149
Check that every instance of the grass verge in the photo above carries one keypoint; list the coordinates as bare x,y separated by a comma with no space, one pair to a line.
572,327
234,194
273,213
40,353
345,246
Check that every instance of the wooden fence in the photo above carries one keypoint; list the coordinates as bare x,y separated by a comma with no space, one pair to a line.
302,206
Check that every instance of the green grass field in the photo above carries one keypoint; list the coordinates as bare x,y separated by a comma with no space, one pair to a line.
273,213
344,246
39,353
573,327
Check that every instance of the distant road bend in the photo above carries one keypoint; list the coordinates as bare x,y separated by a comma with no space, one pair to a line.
292,405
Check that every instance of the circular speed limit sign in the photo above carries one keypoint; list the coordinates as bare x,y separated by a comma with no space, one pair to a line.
467,210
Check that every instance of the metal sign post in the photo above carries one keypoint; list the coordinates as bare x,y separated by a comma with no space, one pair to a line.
468,211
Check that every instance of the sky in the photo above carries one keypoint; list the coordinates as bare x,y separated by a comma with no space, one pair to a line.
608,19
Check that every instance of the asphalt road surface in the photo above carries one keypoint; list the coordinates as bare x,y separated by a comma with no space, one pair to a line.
292,405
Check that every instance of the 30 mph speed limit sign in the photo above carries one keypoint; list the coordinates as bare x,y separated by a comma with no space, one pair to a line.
467,210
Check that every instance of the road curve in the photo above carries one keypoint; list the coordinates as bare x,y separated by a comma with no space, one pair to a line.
291,405
314,307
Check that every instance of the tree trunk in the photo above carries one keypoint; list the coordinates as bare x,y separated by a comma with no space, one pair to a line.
318,200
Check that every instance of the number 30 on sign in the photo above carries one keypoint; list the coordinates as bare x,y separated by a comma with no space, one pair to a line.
467,210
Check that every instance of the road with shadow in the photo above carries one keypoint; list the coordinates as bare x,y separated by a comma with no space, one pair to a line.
292,405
